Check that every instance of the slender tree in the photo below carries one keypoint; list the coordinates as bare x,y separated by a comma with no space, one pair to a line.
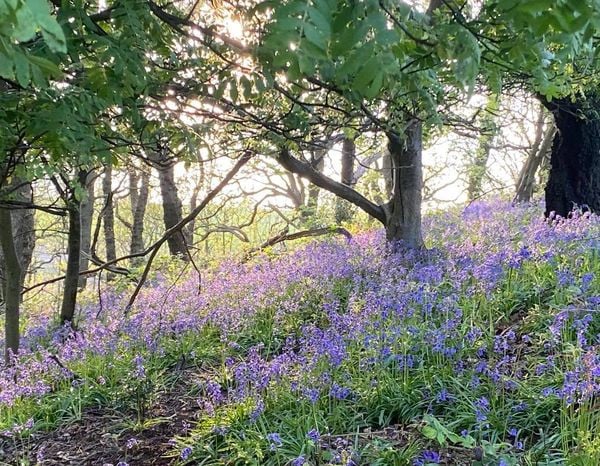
539,151
108,216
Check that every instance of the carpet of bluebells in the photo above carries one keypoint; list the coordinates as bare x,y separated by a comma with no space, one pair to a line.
484,350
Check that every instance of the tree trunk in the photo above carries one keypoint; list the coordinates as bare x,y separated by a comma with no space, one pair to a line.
403,211
317,162
23,230
388,178
139,201
13,276
109,218
71,281
343,211
574,179
478,167
172,210
87,217
540,148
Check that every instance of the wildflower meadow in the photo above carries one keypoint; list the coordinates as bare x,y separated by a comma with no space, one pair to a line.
481,350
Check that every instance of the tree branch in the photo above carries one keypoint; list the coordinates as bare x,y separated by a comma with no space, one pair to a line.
305,170
153,249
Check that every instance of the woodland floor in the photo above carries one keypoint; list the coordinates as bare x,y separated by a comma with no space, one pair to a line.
100,436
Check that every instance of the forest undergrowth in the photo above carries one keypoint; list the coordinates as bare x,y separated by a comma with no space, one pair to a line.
481,351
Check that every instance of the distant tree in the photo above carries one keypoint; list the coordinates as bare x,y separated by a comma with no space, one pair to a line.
539,152
108,216
478,166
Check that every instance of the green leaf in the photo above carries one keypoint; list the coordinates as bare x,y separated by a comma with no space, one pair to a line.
429,432
315,36
24,25
48,67
247,87
233,91
342,19
365,76
6,67
319,20
353,62
375,85
22,70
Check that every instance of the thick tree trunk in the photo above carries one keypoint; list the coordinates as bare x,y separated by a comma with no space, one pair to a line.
403,211
139,201
539,150
343,212
87,217
11,285
109,218
574,179
388,178
172,210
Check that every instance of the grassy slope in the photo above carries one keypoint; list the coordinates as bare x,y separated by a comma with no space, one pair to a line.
483,351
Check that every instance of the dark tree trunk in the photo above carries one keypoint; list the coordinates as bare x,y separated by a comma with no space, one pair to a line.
574,179
539,150
87,217
403,211
139,201
71,281
109,218
23,226
172,210
11,285
343,212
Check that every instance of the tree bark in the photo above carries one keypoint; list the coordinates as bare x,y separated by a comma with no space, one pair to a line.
539,150
109,218
13,276
343,211
386,169
172,209
139,202
574,179
403,211
87,217
71,282
317,162
305,170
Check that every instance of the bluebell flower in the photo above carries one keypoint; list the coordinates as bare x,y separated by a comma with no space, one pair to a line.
274,441
427,457
314,435
185,453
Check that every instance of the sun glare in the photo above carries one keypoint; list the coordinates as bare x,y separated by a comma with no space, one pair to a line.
235,28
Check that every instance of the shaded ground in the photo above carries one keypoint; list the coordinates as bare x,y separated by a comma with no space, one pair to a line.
101,437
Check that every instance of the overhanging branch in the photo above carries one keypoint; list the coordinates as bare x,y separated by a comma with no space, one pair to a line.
305,170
